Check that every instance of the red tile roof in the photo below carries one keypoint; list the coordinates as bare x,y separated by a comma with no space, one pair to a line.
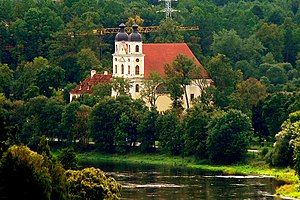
86,85
159,54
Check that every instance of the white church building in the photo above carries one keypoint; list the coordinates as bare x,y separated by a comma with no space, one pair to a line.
134,60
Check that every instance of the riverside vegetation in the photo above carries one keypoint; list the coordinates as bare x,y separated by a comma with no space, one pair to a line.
253,165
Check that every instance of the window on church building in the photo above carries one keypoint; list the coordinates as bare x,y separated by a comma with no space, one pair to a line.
116,69
192,96
122,69
128,69
137,88
137,70
137,48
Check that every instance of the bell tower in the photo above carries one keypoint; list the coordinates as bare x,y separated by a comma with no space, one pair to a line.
128,59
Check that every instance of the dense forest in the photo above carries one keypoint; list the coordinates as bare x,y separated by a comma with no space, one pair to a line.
251,50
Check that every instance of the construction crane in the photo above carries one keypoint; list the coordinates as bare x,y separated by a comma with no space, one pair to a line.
142,29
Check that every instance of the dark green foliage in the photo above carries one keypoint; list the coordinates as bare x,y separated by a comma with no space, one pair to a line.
228,137
105,120
7,133
122,134
224,77
276,75
170,138
67,157
196,131
102,119
6,78
258,122
275,110
24,175
180,73
44,148
264,152
148,133
68,121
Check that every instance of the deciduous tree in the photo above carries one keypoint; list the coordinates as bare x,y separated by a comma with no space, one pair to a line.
228,138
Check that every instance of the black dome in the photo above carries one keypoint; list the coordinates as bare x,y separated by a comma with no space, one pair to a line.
122,35
135,36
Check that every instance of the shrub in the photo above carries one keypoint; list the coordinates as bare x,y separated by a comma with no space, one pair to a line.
92,184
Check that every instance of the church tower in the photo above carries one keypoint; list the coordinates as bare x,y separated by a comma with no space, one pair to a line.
128,59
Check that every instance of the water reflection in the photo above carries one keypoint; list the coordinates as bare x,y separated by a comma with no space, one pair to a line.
153,182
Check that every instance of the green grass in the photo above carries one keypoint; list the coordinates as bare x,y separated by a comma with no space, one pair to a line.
253,165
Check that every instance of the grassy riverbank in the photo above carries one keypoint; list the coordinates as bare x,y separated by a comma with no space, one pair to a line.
252,166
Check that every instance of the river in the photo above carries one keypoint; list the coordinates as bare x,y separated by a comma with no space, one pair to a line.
145,182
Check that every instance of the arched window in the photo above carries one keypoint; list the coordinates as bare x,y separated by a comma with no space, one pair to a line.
137,88
116,69
137,70
137,48
128,69
122,69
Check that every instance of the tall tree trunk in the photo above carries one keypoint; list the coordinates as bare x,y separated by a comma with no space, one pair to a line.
186,97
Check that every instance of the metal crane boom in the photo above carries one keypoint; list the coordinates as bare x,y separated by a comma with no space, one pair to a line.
142,29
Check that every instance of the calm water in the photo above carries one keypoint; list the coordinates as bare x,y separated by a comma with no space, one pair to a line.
144,182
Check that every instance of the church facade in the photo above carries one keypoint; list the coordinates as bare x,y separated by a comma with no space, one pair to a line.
134,61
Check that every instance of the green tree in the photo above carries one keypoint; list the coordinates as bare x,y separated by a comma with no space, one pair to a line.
228,43
102,120
282,153
6,79
276,75
170,135
168,32
68,121
181,72
50,79
101,90
88,61
56,170
67,157
24,175
229,137
224,77
148,133
275,110
195,128
286,148
248,94
91,183
150,88
105,118
33,31
7,133
122,134
272,37
43,148
43,117
120,86
81,125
